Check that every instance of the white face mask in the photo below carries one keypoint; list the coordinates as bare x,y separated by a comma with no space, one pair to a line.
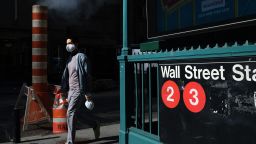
70,47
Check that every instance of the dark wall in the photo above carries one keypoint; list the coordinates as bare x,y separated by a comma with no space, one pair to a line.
136,22
100,33
15,38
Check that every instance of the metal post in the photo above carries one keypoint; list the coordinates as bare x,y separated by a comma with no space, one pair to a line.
123,132
150,98
123,110
158,101
142,97
125,34
136,95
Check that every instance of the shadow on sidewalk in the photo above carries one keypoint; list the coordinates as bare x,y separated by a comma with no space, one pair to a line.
104,140
38,139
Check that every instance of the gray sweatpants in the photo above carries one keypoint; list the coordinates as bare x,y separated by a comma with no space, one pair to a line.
75,100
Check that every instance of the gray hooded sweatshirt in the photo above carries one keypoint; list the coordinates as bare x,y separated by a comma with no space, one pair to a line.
81,72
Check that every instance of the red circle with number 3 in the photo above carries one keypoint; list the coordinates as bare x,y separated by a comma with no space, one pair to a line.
194,97
170,94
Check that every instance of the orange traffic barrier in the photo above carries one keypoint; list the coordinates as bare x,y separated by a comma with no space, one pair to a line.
59,123
59,113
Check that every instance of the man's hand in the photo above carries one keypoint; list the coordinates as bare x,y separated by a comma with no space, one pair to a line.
88,97
64,95
69,41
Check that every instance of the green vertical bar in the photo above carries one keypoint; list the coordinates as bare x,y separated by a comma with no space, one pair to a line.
142,95
158,97
149,100
136,94
125,34
123,133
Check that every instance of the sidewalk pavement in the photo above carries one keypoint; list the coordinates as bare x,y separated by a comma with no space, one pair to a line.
109,135
106,110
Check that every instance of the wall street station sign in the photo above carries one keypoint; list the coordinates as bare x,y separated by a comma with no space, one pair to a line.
208,101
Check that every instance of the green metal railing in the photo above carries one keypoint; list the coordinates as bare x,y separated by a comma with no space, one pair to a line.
146,97
142,102
140,86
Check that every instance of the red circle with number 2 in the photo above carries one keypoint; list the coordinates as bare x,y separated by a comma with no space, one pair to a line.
170,94
194,97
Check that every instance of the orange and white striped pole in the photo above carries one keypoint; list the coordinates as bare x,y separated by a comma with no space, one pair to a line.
39,53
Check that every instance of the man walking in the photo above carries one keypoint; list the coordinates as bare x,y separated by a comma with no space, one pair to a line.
75,82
